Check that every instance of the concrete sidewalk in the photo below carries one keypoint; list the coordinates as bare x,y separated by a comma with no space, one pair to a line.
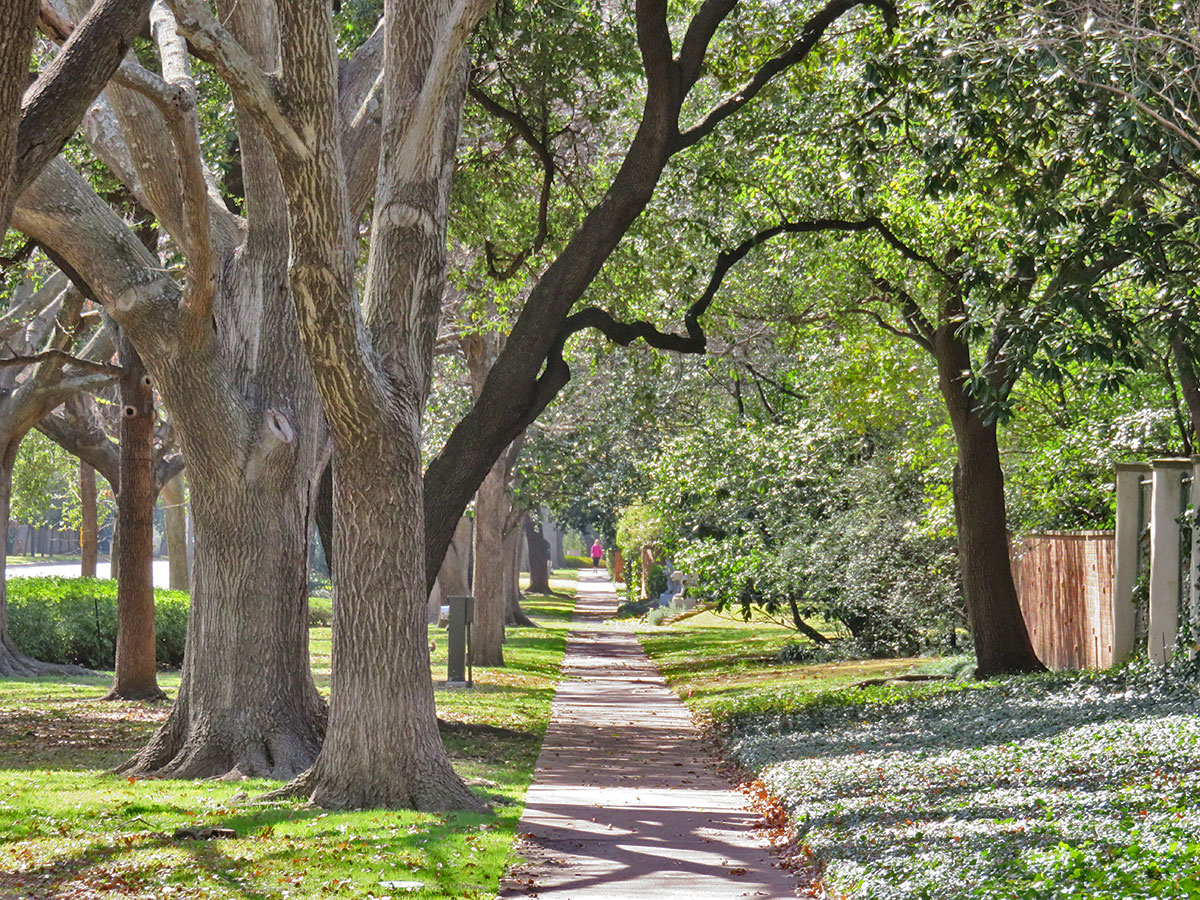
625,802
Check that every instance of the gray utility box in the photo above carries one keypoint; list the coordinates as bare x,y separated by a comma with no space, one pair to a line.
458,641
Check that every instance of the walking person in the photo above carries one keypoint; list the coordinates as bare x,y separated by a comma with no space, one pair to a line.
597,552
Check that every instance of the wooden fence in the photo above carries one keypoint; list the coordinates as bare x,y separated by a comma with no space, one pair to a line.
1065,584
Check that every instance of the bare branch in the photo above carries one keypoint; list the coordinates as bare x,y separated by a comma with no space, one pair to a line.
87,365
527,134
812,32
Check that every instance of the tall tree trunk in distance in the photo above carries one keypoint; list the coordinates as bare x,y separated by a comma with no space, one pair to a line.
1189,385
114,549
539,559
1002,644
175,518
136,675
89,530
454,576
513,614
487,582
491,509
323,514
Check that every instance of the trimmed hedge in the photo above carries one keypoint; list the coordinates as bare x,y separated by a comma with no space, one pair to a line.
74,620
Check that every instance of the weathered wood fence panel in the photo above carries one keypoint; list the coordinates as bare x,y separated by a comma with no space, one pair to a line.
1065,584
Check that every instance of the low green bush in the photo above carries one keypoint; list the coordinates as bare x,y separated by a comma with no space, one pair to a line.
577,562
74,620
320,612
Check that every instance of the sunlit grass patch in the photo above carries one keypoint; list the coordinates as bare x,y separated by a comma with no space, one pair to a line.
69,830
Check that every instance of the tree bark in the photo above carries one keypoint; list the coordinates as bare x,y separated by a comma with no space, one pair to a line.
323,514
136,674
1189,385
513,614
539,561
17,19
377,502
89,531
487,582
1002,644
175,517
56,102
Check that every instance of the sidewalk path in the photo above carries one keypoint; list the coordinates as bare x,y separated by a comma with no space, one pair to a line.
162,571
625,804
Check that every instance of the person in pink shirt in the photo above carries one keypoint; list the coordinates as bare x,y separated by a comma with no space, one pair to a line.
597,552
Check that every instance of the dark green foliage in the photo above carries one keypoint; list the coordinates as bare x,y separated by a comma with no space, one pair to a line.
635,609
74,620
656,581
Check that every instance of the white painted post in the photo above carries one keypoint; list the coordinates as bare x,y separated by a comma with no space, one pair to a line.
1164,557
1125,557
1193,606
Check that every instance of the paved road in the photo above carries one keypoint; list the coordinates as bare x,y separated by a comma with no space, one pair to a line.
162,571
625,803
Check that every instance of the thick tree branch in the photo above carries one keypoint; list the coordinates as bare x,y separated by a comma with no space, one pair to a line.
185,133
699,33
812,32
55,105
87,365
253,88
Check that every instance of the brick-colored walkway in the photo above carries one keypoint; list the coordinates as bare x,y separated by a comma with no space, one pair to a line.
626,804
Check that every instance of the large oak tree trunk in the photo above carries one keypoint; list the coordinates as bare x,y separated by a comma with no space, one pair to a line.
247,705
487,582
175,519
1002,644
89,531
539,559
377,504
135,677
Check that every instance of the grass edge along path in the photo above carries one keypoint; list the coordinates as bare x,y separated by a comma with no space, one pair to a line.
70,831
1061,786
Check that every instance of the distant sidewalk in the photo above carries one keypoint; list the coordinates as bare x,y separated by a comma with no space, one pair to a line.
625,802
162,571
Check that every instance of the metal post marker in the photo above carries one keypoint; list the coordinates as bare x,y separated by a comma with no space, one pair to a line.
458,642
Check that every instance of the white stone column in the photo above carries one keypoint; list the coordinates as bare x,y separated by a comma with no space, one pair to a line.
1164,556
1125,557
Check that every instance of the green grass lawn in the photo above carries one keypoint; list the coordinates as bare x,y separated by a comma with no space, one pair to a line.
726,668
68,830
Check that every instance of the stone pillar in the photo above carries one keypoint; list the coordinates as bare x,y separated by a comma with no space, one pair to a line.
1125,556
1166,505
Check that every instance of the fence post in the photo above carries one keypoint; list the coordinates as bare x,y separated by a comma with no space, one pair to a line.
1165,557
1125,557
1192,607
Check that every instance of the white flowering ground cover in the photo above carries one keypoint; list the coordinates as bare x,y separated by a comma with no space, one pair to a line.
1043,788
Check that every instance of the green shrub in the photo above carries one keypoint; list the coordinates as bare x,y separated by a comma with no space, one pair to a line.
320,612
656,581
74,620
577,562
